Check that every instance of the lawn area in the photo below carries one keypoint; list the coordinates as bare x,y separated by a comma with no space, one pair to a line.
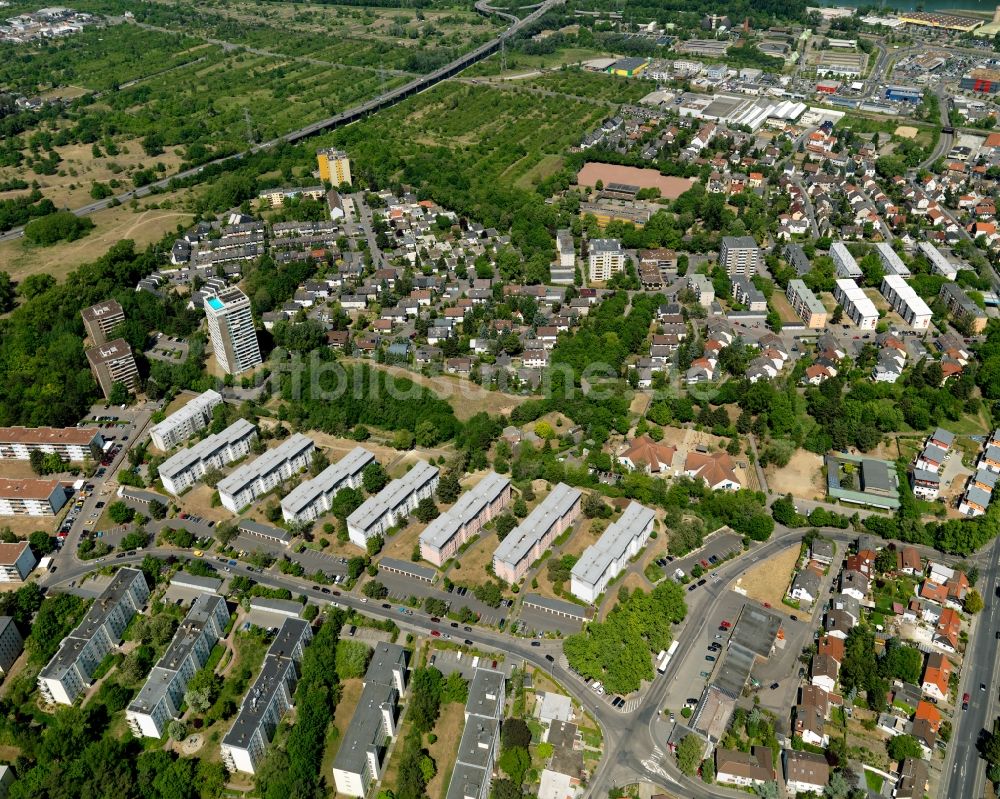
548,166
874,781
443,751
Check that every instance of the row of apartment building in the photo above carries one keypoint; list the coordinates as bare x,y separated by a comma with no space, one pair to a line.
162,695
392,504
187,466
472,776
313,498
69,671
449,531
252,481
69,443
194,417
526,542
31,497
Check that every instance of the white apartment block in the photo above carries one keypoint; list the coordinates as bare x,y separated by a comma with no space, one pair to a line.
526,542
313,498
472,776
844,262
17,561
806,304
906,302
856,303
475,508
892,264
184,423
601,562
268,699
359,759
186,467
703,289
69,443
161,697
11,644
740,256
392,504
938,262
231,328
67,675
31,497
605,259
268,471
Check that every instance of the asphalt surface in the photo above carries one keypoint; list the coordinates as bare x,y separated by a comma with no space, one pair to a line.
964,771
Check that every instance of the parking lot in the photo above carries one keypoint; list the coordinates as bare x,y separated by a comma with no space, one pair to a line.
310,560
694,672
719,547
402,587
536,620
450,661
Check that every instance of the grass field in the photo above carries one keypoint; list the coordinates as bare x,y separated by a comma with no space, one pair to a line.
112,225
522,62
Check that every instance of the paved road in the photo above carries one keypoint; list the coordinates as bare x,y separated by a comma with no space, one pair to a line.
963,772
346,117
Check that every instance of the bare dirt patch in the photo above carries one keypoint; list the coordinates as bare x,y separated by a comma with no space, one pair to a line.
768,581
906,132
802,477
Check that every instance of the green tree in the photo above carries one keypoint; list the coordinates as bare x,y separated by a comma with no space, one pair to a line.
689,752
352,659
426,510
374,544
973,602
902,746
373,589
374,478
448,488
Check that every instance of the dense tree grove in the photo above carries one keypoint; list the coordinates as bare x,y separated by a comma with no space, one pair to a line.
368,396
617,650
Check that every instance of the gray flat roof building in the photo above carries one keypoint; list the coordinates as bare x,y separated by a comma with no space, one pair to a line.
184,468
162,694
313,497
359,758
261,475
187,421
67,674
603,561
472,776
526,542
443,536
267,700
392,504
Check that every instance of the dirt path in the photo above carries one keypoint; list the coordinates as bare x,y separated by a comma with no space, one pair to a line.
466,397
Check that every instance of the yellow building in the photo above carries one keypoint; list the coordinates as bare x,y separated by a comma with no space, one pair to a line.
334,166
